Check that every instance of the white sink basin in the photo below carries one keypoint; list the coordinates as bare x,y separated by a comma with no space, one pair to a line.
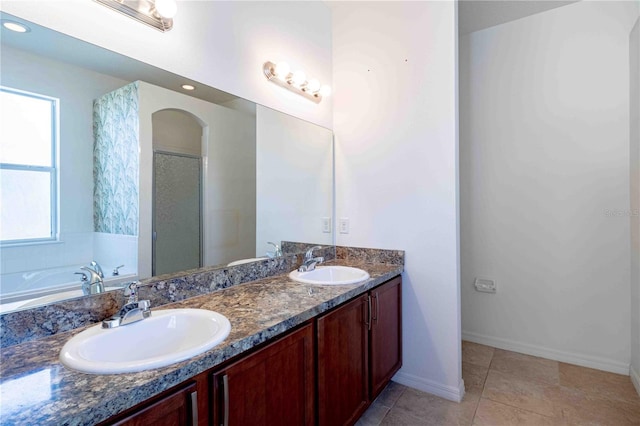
243,261
331,275
166,337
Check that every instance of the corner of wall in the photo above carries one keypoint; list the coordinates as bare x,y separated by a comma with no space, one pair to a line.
450,393
635,378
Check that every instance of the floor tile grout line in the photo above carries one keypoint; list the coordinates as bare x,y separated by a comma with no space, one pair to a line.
404,388
522,409
484,384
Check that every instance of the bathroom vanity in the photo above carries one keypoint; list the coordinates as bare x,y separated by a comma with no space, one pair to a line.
357,346
296,354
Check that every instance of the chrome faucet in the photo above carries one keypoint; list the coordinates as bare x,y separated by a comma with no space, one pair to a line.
93,284
309,263
133,311
97,268
276,253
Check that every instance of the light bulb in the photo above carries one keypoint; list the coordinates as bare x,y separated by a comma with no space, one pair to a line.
313,85
188,87
298,78
282,70
166,8
325,90
15,26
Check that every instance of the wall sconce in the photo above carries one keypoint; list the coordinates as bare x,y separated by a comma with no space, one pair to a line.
296,81
155,13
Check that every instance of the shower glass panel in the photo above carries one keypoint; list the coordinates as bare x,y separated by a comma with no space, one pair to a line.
177,208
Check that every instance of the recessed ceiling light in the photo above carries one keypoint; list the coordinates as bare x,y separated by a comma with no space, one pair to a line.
15,26
188,87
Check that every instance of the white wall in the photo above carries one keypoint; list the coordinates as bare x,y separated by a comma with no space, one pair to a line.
544,169
294,172
76,88
634,183
221,44
176,131
396,166
229,168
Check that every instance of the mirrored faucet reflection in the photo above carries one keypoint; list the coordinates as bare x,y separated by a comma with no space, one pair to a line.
96,267
277,252
92,284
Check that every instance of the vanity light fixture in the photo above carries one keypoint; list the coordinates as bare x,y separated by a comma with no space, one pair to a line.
15,26
296,81
188,87
155,13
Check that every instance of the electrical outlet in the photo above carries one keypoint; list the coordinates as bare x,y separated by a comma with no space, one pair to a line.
485,286
326,225
344,225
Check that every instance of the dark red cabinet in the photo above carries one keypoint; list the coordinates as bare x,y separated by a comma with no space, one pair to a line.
273,386
343,360
179,407
359,350
385,356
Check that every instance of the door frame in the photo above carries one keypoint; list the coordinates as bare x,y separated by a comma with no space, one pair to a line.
153,204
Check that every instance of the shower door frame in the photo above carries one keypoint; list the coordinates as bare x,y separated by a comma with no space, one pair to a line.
153,205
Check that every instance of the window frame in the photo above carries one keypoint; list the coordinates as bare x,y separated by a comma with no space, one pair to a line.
53,170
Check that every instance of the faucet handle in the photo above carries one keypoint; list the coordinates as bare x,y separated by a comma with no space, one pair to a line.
131,290
309,254
94,276
116,270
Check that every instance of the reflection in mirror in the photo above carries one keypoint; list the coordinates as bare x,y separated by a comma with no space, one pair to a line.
150,178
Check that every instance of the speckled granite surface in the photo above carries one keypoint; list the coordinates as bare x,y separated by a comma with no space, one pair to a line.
360,254
36,389
35,323
289,247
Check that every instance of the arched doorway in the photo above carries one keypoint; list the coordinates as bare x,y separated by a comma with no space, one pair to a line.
177,192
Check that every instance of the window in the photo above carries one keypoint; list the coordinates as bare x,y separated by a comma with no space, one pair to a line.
28,139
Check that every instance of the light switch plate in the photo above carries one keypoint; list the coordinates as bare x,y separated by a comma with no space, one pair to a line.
344,225
326,225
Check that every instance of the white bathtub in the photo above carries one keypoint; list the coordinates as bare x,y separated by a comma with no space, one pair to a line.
34,288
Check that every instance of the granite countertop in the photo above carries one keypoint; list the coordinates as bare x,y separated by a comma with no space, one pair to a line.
36,389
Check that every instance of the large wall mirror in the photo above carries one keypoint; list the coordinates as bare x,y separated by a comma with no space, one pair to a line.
106,159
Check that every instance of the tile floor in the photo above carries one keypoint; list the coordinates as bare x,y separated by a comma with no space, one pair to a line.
506,388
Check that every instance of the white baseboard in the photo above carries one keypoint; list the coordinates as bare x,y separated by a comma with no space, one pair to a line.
635,378
568,357
451,393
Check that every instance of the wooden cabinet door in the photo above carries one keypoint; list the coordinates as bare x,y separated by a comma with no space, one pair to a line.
176,409
386,334
343,363
274,386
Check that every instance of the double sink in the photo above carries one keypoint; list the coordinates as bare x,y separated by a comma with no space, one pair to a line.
171,335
